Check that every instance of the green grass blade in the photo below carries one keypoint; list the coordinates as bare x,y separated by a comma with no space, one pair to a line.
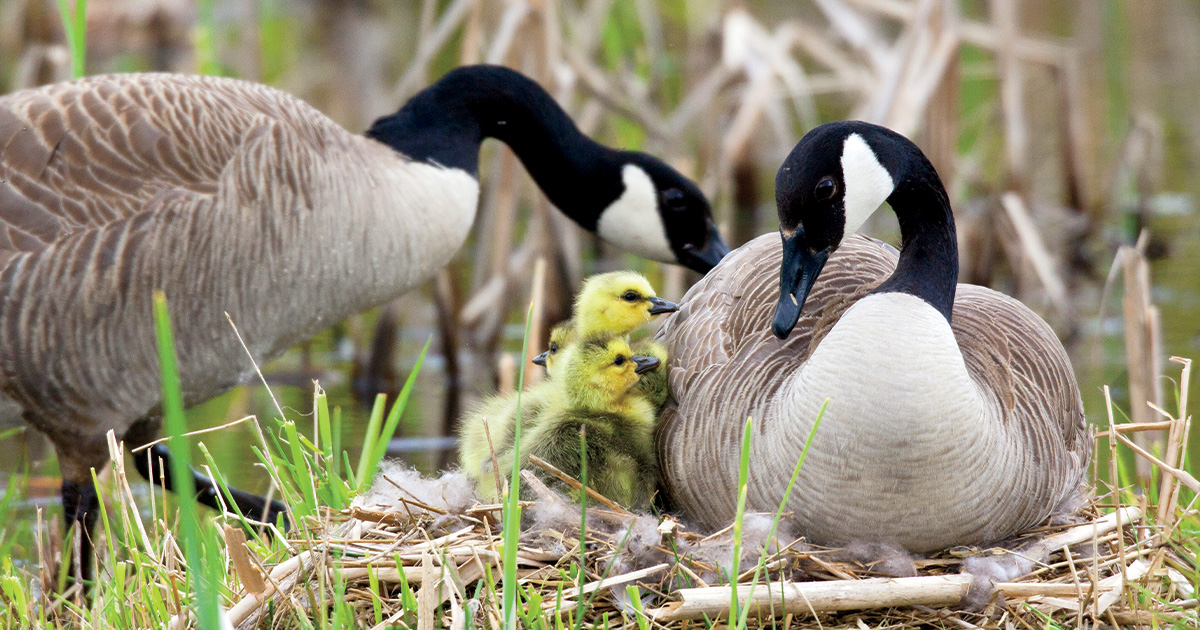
75,28
787,495
743,482
512,507
368,447
201,573
583,481
393,419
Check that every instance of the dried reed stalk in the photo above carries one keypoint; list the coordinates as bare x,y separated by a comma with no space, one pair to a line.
1143,347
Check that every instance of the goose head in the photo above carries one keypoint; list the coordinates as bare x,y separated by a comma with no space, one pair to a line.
633,200
835,178
659,214
559,338
600,372
617,303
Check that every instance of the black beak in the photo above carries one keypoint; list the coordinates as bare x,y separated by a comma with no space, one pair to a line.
658,306
703,259
645,364
541,358
799,271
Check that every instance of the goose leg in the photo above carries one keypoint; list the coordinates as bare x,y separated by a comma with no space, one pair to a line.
80,508
155,466
78,455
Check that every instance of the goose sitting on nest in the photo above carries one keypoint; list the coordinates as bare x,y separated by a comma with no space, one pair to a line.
954,416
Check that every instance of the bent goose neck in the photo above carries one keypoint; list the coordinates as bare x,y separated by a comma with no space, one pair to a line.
447,122
928,265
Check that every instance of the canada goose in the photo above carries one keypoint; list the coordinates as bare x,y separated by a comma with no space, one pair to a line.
598,394
611,304
954,416
235,197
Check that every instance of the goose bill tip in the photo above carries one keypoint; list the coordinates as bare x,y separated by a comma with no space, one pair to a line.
787,313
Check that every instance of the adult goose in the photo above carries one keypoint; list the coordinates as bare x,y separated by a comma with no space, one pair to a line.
954,416
235,197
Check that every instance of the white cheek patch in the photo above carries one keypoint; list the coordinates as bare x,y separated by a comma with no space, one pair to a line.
867,182
632,222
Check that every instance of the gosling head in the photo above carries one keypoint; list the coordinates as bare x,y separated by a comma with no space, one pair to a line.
559,339
835,178
599,372
661,215
617,303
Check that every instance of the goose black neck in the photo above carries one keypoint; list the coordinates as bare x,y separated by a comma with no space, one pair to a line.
446,123
928,265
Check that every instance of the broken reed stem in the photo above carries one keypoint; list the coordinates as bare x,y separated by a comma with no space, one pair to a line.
782,598
1142,344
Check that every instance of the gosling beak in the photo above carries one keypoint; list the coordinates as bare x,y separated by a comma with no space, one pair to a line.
702,259
800,268
659,306
645,364
541,358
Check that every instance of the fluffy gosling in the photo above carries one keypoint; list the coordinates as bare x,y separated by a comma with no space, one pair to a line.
615,304
597,382
610,304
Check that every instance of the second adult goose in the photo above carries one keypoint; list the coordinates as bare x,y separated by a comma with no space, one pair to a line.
235,197
954,416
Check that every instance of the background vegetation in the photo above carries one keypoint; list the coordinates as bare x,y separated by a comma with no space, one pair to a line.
1068,132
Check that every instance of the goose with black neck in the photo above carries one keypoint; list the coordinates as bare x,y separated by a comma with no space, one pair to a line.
630,199
953,416
233,197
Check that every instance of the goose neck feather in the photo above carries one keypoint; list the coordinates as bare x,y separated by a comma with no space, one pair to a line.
446,123
928,265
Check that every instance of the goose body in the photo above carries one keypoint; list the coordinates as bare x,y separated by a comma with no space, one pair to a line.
953,417
282,219
236,198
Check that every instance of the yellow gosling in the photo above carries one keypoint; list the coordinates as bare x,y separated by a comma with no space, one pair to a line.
609,305
598,394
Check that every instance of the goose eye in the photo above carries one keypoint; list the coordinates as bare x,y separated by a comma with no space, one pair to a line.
620,360
825,189
673,198
631,296
553,347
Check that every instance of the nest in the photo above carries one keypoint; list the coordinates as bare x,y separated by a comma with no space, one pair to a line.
423,553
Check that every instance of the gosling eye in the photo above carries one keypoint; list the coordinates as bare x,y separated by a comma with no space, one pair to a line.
553,346
620,360
631,296
825,189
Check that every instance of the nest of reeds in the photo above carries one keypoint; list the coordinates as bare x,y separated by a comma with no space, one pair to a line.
422,553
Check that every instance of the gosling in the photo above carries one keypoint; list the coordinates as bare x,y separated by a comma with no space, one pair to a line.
597,383
615,304
610,304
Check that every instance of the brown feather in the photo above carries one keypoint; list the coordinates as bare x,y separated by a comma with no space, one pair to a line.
231,196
